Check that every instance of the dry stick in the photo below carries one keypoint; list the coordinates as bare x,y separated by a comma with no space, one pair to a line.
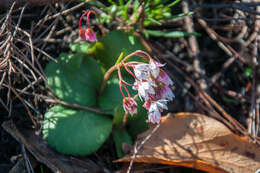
254,112
256,67
20,71
242,33
251,122
237,96
9,81
46,18
7,18
26,160
10,41
2,80
16,50
53,28
200,91
24,65
28,110
233,121
14,32
197,63
62,31
73,105
2,102
226,48
30,85
18,23
216,76
254,34
29,63
45,31
39,50
137,148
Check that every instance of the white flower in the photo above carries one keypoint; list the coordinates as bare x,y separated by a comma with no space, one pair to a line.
154,113
144,89
165,92
142,71
154,117
155,68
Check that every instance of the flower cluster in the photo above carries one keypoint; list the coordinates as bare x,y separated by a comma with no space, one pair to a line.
87,34
152,83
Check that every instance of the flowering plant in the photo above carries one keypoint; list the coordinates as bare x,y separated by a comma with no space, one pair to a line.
152,83
78,79
88,34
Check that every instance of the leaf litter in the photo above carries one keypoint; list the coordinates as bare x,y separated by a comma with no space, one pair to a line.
197,141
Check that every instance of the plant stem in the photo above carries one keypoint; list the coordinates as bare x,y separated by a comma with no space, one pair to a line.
106,77
139,53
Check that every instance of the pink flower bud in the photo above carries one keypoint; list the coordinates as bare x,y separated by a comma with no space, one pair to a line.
130,105
88,35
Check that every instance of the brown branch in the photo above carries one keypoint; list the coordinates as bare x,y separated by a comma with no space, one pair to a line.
5,4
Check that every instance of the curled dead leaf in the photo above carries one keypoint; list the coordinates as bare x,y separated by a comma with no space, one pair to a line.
197,141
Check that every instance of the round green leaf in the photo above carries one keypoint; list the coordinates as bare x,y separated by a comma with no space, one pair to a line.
75,132
67,88
90,73
116,42
75,78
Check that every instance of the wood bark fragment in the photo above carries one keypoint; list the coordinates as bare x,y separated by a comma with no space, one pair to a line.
39,148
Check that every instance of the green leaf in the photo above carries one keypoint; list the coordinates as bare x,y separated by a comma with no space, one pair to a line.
173,3
113,44
118,115
81,47
174,34
154,21
75,132
90,73
70,62
248,71
74,78
136,123
112,97
131,38
121,136
119,59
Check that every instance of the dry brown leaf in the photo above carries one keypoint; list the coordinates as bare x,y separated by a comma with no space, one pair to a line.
197,141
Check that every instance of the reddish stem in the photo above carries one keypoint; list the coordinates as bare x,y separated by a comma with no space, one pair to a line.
80,20
138,52
126,90
126,68
127,83
118,66
88,12
120,81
